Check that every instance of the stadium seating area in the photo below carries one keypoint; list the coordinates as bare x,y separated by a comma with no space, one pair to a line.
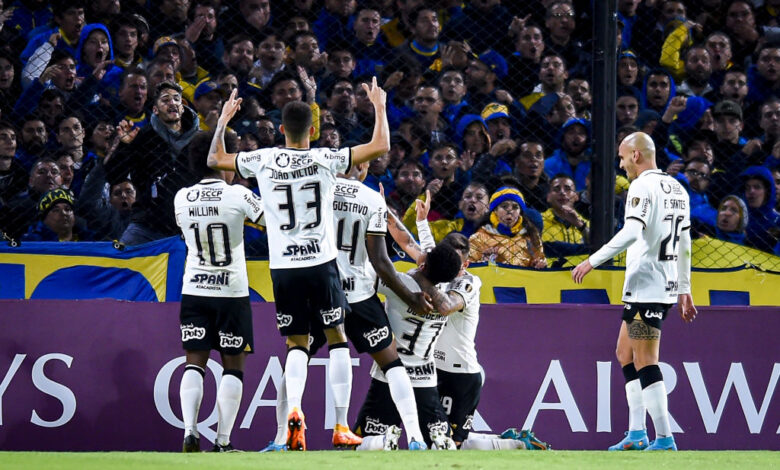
482,95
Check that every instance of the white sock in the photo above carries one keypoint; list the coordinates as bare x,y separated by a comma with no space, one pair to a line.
281,414
482,443
191,393
372,443
636,406
228,401
654,396
295,370
340,377
403,396
476,435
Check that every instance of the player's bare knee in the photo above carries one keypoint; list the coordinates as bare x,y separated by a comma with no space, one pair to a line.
336,334
234,361
198,358
298,341
624,355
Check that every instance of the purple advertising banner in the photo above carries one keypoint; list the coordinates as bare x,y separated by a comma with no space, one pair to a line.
104,375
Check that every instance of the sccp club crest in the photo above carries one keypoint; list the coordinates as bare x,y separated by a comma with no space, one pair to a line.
192,195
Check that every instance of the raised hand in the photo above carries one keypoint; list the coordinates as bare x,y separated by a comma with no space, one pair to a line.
423,207
376,94
231,107
126,131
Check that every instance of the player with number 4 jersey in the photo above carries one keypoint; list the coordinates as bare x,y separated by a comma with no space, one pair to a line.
656,235
296,184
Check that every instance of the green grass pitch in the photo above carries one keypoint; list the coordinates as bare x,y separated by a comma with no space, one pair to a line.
688,460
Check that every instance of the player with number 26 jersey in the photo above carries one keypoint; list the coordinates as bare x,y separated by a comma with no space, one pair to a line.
298,184
661,204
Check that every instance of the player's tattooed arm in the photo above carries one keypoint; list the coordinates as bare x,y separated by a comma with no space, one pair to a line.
444,303
377,254
401,235
218,158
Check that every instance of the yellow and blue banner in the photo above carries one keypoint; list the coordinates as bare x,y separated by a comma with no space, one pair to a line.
153,273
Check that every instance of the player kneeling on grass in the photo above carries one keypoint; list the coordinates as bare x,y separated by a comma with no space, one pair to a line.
460,377
416,336
215,309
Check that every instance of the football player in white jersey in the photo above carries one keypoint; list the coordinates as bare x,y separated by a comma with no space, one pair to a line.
658,274
460,377
215,310
360,219
296,184
416,336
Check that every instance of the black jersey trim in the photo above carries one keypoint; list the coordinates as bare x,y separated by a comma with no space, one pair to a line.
373,232
235,164
349,166
686,228
257,220
637,218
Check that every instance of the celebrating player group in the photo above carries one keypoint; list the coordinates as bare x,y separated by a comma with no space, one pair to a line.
328,261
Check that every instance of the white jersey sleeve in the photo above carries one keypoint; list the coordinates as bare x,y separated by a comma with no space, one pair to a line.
359,211
416,337
662,204
297,189
211,217
455,350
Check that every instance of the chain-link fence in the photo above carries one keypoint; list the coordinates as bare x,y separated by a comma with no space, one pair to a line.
488,101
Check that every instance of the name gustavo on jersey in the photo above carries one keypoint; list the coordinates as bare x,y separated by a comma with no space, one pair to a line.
293,174
346,206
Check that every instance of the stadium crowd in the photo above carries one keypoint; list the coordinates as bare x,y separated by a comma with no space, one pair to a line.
489,103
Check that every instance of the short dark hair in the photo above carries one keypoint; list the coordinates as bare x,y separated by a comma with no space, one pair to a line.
238,38
332,86
296,119
198,151
201,3
59,55
414,162
294,39
59,7
416,13
458,241
7,125
130,71
123,20
442,264
67,115
162,86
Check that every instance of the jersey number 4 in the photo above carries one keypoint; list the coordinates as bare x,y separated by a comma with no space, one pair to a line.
665,253
353,239
289,206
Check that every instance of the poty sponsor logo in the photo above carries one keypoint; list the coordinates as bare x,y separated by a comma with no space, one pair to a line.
331,316
227,340
374,426
376,335
189,332
651,314
469,422
283,320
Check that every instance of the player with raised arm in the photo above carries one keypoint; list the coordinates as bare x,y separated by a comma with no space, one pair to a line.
215,310
657,238
360,220
297,184
460,376
416,336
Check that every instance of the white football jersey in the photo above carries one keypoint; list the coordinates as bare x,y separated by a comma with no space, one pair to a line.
415,336
358,211
455,350
211,216
296,186
661,203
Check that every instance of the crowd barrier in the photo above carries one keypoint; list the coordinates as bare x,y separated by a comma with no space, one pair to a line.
100,375
153,272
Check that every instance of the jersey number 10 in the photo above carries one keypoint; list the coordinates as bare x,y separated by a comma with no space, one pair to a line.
216,243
